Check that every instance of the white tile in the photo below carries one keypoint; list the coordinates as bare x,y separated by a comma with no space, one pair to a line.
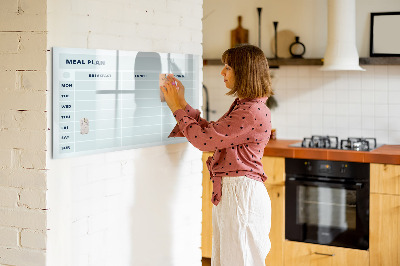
329,109
394,110
342,81
381,110
329,121
292,83
328,74
329,94
317,95
381,97
304,72
305,109
355,96
394,97
342,122
354,84
381,71
367,96
316,72
394,70
342,133
293,120
355,109
303,82
317,107
355,132
394,137
367,133
342,109
381,123
382,136
342,96
291,71
394,123
367,110
394,83
317,121
316,82
367,123
380,84
317,131
369,70
355,122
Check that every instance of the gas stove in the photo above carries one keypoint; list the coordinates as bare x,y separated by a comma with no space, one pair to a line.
332,142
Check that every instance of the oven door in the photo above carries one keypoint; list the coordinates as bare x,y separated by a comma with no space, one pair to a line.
327,213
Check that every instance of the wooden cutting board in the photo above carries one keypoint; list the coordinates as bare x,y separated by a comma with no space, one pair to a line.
239,35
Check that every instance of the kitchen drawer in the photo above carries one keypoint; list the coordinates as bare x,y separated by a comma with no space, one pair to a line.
305,254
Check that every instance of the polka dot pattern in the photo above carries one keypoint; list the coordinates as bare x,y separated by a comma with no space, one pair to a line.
238,139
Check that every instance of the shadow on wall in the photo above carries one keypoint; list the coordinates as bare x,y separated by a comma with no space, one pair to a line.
152,214
156,177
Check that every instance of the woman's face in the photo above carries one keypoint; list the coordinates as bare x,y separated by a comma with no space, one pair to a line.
229,76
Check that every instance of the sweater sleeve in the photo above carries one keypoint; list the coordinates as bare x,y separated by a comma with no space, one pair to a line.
193,113
231,130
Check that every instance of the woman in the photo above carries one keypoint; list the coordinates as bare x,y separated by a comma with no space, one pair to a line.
242,208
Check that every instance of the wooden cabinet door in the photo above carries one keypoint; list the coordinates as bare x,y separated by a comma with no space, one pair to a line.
206,225
274,168
385,178
277,233
304,254
384,236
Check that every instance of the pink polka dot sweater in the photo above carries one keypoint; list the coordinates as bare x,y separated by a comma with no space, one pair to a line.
238,139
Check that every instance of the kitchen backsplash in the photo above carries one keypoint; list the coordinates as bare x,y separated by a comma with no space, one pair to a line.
314,102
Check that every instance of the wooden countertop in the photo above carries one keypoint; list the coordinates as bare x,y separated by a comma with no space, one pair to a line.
389,154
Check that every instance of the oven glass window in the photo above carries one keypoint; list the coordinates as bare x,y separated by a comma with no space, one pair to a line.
327,207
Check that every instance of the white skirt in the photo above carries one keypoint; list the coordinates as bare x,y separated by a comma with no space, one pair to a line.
241,223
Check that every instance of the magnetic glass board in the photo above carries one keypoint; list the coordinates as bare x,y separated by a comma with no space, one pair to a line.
107,100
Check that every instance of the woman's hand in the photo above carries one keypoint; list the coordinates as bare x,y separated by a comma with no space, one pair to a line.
171,94
181,92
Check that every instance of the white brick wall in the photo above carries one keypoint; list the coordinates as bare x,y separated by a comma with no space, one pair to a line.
133,207
23,125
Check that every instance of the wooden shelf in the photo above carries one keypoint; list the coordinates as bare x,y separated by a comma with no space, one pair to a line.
380,61
273,63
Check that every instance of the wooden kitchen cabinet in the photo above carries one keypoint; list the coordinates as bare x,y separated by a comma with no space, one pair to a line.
206,225
384,237
274,168
385,178
305,254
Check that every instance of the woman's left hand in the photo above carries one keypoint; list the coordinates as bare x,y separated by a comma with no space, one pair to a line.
171,94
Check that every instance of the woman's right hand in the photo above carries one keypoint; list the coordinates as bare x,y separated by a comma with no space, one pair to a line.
181,91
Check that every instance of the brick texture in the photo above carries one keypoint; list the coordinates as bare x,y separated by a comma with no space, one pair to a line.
23,125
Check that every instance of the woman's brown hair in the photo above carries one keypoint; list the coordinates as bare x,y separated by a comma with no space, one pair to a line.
250,66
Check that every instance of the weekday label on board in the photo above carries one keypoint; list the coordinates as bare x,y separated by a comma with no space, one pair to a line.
106,100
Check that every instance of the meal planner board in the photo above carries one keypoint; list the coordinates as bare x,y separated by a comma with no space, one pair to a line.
107,100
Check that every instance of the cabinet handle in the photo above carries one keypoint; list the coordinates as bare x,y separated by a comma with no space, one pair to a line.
324,254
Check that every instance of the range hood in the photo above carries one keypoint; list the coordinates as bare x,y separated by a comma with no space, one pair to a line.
341,51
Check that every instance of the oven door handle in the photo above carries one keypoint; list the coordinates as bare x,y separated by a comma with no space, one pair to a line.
357,185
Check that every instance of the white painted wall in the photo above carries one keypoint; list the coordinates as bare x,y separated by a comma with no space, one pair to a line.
304,18
132,207
311,102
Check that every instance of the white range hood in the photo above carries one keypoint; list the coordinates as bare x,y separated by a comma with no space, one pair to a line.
341,51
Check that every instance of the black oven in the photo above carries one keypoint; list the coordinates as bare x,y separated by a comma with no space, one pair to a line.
327,202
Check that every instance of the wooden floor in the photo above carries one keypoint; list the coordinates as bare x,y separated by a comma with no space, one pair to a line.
206,261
